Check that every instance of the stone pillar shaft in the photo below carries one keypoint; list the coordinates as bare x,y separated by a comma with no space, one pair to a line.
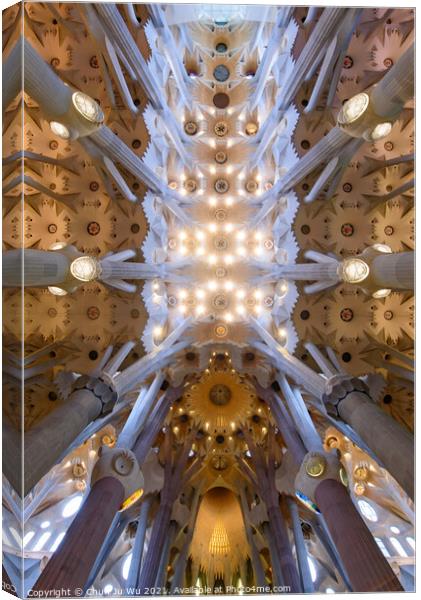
44,86
47,440
34,268
283,546
71,564
328,147
396,87
366,567
393,271
328,23
139,544
311,272
139,413
390,441
12,81
300,548
152,559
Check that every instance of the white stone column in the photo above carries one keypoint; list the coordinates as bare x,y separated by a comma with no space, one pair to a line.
129,378
138,545
139,413
34,268
393,271
46,441
44,86
311,272
270,54
12,81
396,87
120,34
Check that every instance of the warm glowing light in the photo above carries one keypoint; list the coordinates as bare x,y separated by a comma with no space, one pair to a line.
212,169
353,109
60,130
85,268
240,309
228,201
257,294
240,294
56,291
228,227
88,107
212,259
229,170
182,235
354,270
241,250
241,235
212,285
228,259
229,286
228,317
212,227
200,294
157,331
382,293
182,294
380,131
200,235
200,309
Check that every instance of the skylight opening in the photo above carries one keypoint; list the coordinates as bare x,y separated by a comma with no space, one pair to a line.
126,566
41,542
72,506
398,546
367,511
58,541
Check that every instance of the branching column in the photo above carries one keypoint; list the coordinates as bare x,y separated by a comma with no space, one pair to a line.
264,467
176,477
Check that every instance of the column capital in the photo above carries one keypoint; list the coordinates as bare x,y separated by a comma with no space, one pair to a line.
102,390
120,464
339,387
315,468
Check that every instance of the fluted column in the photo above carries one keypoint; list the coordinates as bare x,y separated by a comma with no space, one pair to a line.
46,441
396,87
139,543
139,370
311,271
349,399
120,33
328,23
270,53
300,548
44,86
139,413
12,81
393,271
34,268
367,569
